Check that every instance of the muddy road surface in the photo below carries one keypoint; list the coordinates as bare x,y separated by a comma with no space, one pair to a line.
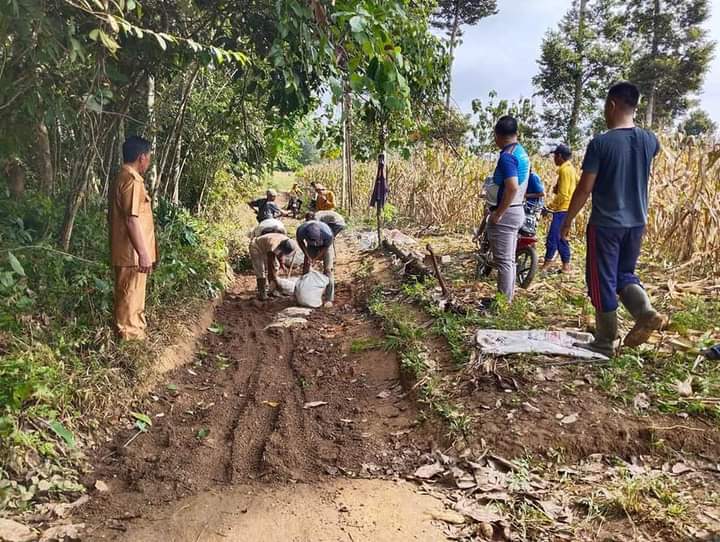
262,432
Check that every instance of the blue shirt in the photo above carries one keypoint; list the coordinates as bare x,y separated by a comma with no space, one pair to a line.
622,159
535,186
513,162
315,234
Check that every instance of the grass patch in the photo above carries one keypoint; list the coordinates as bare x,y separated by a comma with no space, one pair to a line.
405,337
364,344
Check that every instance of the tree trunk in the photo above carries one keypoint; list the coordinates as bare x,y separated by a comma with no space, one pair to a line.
347,185
454,33
44,159
177,170
650,110
16,178
572,131
151,132
75,201
177,126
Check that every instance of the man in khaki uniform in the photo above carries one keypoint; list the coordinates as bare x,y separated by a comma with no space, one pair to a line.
267,252
133,250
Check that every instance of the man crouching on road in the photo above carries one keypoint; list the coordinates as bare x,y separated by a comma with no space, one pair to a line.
316,241
616,171
267,253
133,250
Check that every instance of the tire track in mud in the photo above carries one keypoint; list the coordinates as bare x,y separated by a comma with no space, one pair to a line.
238,416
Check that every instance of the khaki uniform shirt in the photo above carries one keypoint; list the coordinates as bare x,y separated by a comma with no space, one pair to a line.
267,243
128,197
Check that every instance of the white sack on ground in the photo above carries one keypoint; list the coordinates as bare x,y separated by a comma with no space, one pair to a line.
287,286
310,288
538,341
269,225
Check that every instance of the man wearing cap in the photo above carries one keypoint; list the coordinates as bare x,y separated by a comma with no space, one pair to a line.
325,199
133,249
316,241
564,189
267,253
507,213
266,207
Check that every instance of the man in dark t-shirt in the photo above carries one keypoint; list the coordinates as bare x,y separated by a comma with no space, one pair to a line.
616,171
316,241
266,207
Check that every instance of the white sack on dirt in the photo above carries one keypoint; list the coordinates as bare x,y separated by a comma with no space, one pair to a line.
287,286
310,288
538,341
269,225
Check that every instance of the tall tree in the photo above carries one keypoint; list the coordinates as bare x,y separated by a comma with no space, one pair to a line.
699,123
578,60
488,113
450,16
672,54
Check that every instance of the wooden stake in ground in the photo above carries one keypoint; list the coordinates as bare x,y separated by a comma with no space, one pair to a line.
451,304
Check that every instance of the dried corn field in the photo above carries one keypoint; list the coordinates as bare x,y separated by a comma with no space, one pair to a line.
436,187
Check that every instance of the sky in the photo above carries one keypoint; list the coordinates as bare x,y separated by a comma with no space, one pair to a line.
500,53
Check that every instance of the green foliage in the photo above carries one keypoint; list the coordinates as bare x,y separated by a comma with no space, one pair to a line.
578,62
699,123
55,313
671,54
489,113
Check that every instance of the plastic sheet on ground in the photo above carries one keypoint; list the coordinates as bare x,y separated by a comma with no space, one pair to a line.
538,341
368,240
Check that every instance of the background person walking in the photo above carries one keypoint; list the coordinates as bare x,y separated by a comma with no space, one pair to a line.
564,189
616,171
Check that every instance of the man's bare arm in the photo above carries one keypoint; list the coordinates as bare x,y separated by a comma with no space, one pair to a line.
138,242
578,201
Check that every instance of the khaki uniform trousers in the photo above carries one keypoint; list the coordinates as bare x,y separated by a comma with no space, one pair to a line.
129,307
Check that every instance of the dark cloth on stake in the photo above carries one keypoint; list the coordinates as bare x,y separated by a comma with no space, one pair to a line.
380,191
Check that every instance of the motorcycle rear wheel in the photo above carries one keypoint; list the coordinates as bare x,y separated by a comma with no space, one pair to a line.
526,260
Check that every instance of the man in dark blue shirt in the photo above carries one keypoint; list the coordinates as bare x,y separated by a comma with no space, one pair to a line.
266,207
616,171
316,240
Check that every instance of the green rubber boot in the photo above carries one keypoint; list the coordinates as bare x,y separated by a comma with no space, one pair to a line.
606,331
647,319
262,289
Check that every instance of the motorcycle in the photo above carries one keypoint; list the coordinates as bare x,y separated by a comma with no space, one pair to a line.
526,258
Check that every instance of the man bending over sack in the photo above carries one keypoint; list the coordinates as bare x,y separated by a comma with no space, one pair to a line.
267,253
316,241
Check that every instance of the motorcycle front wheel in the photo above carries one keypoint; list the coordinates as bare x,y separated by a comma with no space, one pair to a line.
526,261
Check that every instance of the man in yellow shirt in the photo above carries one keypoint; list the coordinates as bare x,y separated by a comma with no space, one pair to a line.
325,199
564,189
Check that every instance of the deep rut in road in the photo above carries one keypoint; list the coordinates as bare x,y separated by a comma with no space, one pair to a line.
237,413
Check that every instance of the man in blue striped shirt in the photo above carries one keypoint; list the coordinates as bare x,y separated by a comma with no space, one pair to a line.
508,215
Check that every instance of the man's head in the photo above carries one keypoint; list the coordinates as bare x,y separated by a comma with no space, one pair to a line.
561,154
621,103
136,153
506,131
285,250
319,188
271,194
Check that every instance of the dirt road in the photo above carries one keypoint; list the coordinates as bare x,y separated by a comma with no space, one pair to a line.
235,447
